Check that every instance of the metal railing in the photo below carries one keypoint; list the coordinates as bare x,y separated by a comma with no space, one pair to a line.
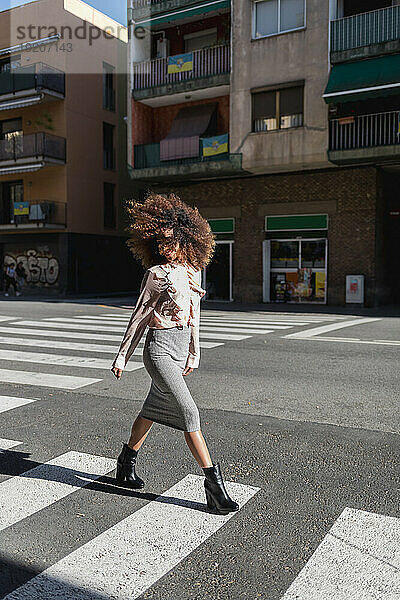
207,61
37,76
373,27
147,156
364,131
32,145
40,212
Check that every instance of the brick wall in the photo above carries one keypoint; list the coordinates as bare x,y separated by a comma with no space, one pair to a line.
352,241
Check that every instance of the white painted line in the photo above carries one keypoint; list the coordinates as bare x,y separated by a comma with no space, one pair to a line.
250,316
8,444
124,561
10,402
7,318
34,490
61,334
227,329
66,382
355,341
255,325
224,336
63,360
325,328
210,344
358,559
76,325
81,346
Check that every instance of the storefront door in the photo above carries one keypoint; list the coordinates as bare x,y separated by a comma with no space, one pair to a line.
217,276
295,270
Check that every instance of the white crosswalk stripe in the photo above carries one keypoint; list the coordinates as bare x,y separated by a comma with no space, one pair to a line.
8,444
83,341
45,484
10,402
123,561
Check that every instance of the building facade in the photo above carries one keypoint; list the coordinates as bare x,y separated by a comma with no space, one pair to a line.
63,144
279,120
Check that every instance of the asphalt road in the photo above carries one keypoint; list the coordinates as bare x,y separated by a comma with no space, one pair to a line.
307,425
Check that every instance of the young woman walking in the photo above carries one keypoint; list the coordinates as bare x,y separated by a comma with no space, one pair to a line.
173,242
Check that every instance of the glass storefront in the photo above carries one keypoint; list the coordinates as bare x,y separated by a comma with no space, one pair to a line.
297,270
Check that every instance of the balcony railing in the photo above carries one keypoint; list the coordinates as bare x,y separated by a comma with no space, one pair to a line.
40,213
147,156
208,61
33,145
365,131
38,76
373,27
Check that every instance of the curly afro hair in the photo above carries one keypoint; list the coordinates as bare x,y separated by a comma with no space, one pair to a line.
159,212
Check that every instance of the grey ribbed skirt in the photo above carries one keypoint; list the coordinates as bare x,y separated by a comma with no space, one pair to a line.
169,400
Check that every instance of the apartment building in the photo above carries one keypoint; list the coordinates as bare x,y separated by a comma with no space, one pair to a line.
63,143
279,120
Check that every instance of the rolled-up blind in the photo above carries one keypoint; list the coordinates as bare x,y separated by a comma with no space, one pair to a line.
291,101
264,105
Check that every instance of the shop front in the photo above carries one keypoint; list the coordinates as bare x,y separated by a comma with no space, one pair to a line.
217,277
295,259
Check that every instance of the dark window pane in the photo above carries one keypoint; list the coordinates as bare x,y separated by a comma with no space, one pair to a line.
291,101
264,105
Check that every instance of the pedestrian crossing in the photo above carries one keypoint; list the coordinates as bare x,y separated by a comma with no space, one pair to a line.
72,352
119,562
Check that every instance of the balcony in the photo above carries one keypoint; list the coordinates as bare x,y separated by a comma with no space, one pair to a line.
31,84
365,139
30,152
142,9
366,34
35,214
211,67
148,165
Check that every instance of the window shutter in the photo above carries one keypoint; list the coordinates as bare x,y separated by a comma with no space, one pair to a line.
291,101
264,105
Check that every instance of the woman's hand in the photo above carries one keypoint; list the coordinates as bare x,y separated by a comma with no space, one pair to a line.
187,370
117,372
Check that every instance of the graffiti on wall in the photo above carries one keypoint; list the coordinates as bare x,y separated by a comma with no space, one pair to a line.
41,267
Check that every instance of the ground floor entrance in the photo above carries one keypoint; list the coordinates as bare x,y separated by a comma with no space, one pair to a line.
217,276
295,270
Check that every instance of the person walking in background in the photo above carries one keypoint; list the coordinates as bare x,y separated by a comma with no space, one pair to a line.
21,276
173,242
11,279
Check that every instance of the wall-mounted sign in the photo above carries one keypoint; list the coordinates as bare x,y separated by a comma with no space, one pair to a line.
180,63
355,289
296,222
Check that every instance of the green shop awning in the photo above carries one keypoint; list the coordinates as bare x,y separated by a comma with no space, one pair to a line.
222,225
363,79
296,222
183,13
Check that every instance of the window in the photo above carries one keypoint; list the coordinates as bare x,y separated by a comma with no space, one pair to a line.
109,206
278,109
277,16
108,87
108,146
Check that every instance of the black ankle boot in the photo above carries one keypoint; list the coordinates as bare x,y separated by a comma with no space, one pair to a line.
126,474
218,500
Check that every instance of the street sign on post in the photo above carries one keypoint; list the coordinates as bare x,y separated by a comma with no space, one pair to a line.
354,289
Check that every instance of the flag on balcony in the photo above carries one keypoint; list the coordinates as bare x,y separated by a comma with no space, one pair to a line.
21,208
215,145
180,63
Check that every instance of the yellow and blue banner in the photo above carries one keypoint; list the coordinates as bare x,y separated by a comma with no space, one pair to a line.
180,63
215,145
21,208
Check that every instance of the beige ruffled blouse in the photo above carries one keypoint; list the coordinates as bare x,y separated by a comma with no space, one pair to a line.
170,295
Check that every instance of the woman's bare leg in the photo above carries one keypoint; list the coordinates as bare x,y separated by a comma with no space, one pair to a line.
198,448
140,429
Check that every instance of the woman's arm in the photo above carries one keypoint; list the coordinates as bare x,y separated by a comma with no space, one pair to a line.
194,344
151,288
